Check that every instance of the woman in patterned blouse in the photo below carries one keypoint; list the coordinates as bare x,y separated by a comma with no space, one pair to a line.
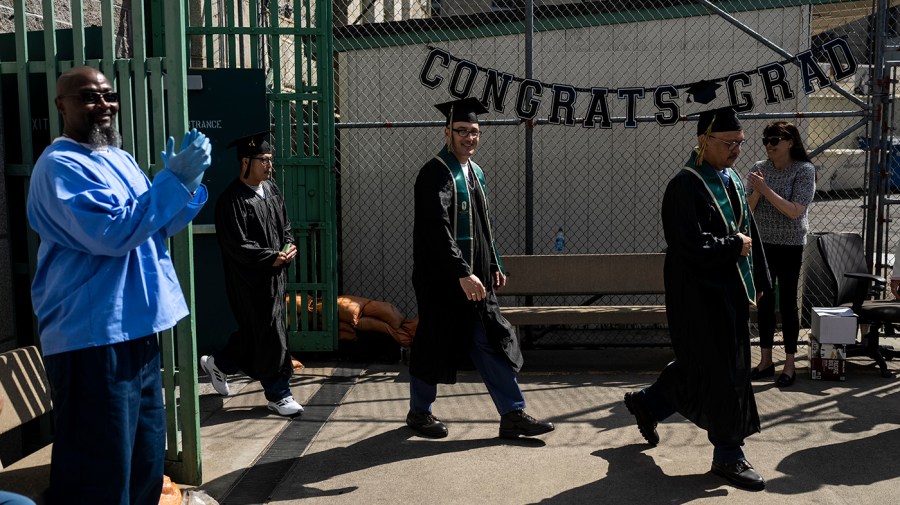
780,190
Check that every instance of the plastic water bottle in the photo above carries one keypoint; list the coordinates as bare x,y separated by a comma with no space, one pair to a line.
560,241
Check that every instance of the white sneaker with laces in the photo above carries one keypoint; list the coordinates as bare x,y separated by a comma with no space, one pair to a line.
217,377
286,407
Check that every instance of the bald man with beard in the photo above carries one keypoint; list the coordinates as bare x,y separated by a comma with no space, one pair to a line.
103,288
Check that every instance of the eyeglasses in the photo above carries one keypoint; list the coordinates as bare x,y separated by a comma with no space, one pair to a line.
735,144
462,132
264,161
95,96
773,141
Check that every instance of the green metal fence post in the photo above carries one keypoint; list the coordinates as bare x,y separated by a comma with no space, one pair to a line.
183,254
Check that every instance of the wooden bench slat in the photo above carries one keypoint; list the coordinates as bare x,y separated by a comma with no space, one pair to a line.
608,314
29,476
583,274
26,395
580,275
24,385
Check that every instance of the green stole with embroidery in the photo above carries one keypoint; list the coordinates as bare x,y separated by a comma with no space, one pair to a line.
461,221
716,188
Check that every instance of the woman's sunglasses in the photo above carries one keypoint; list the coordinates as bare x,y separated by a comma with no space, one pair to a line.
772,140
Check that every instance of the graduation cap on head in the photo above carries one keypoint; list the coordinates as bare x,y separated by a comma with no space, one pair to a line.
465,110
252,145
718,120
703,91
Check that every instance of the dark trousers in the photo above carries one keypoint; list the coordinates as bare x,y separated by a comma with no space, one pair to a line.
275,387
496,372
110,427
726,446
784,267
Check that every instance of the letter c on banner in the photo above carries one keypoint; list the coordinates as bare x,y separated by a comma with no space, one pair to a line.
434,55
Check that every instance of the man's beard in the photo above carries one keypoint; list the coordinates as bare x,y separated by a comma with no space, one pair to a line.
104,136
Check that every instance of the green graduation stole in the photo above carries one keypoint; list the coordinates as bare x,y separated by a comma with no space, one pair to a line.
461,220
716,188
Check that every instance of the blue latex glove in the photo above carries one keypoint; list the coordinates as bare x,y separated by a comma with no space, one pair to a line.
191,161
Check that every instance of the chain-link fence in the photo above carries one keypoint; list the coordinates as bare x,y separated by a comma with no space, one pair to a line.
591,115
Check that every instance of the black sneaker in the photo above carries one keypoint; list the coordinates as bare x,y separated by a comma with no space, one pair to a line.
741,474
426,424
518,423
645,421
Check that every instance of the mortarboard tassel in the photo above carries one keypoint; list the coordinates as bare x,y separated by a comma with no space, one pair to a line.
702,149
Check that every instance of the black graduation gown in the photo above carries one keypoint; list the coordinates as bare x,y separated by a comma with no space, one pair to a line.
708,312
446,316
251,231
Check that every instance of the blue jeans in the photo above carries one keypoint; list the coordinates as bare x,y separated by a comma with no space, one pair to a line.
110,426
496,372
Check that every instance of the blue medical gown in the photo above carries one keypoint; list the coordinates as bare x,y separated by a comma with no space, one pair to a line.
103,273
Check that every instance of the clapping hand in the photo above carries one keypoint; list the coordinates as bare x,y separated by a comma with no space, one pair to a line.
192,159
758,182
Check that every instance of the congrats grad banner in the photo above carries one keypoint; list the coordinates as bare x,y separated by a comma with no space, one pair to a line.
570,105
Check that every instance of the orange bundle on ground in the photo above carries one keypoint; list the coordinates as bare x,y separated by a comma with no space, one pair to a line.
383,311
350,308
171,494
356,313
346,331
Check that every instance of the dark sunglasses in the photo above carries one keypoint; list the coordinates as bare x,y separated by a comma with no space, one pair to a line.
95,96
773,140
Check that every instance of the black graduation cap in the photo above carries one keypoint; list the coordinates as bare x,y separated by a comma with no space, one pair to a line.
718,120
703,91
252,145
466,110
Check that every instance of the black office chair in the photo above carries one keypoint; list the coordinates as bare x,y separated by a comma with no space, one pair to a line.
844,259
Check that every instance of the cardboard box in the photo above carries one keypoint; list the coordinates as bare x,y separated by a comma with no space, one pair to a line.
826,351
828,369
834,325
827,361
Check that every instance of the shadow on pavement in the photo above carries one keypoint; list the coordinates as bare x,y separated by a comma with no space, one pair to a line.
383,449
854,463
633,477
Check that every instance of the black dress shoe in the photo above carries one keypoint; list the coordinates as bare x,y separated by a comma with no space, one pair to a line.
516,423
785,380
646,423
757,374
741,474
426,424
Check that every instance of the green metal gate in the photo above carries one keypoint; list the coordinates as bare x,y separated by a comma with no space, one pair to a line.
150,74
143,47
290,41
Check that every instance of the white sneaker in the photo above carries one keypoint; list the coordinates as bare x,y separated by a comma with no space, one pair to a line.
286,407
217,377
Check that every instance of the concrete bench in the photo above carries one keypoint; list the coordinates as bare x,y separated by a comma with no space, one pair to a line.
593,275
26,394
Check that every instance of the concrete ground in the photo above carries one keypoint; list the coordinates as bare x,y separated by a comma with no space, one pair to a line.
821,442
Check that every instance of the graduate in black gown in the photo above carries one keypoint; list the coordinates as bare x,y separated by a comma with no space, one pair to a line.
455,271
714,268
257,245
